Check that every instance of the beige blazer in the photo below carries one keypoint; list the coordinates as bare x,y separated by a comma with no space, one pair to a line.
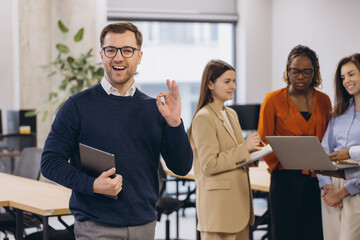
223,192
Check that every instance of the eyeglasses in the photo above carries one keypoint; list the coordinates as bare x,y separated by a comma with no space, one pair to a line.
307,72
126,52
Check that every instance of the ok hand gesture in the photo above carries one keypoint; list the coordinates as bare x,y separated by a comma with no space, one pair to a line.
171,109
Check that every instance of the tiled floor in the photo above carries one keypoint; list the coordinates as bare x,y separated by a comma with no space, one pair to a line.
186,223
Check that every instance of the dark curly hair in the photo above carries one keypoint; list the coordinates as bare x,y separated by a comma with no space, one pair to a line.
300,50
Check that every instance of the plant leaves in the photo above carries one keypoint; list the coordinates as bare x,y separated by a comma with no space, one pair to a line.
50,96
62,48
62,27
46,113
30,113
77,72
51,74
70,60
99,71
60,105
79,35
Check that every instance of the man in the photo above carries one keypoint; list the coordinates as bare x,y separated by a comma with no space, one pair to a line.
116,117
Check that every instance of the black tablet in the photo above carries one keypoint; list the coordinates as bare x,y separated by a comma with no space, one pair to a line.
95,161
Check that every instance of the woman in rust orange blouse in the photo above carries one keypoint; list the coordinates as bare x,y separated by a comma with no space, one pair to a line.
296,110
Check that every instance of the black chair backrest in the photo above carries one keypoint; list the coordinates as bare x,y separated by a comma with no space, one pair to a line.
162,179
29,163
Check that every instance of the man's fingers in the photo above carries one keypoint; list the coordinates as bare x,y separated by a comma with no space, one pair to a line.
168,83
176,92
109,172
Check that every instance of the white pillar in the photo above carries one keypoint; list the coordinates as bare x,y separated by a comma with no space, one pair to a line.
38,35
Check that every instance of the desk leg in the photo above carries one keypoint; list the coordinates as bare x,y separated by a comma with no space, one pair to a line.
19,224
45,227
177,212
269,218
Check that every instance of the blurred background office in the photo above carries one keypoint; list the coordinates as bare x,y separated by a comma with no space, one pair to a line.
179,38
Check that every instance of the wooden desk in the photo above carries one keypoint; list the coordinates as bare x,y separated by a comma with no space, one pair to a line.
6,153
41,198
259,176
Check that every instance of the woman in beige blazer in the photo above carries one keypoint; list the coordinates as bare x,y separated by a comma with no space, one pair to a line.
223,193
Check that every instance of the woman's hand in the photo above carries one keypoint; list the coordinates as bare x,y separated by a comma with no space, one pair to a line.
326,188
341,154
334,197
252,142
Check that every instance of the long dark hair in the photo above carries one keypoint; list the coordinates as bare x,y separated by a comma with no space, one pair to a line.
342,97
213,70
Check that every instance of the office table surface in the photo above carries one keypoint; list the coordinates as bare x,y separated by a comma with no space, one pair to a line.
259,176
6,153
42,198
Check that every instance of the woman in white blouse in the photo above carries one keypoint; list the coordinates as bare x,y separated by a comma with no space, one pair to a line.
341,198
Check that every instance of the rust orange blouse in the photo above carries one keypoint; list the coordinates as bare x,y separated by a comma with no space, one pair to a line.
280,117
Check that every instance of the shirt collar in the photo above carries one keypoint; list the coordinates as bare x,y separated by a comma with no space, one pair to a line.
109,89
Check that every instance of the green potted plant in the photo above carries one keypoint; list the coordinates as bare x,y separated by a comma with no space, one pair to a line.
77,72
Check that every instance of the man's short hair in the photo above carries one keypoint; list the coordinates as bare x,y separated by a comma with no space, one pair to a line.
121,27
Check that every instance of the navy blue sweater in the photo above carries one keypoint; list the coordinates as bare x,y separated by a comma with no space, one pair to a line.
133,129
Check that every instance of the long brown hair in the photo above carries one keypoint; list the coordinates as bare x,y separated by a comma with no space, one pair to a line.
213,70
342,97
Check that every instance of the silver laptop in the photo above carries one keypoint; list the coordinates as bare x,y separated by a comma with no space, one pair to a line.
302,152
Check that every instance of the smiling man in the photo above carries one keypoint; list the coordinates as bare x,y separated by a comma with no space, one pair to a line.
116,117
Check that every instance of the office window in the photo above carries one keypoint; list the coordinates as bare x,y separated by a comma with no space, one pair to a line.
179,51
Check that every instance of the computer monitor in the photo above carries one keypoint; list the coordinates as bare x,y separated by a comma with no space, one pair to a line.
16,118
248,115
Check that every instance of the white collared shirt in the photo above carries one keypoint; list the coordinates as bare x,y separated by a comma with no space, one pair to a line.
109,89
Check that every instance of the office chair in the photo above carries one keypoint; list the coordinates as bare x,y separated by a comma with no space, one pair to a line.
65,234
28,167
166,203
17,141
29,163
262,222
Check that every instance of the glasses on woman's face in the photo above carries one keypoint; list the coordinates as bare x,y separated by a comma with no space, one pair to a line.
126,52
307,72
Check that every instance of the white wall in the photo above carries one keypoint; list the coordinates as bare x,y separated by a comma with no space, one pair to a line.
329,27
253,50
8,61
